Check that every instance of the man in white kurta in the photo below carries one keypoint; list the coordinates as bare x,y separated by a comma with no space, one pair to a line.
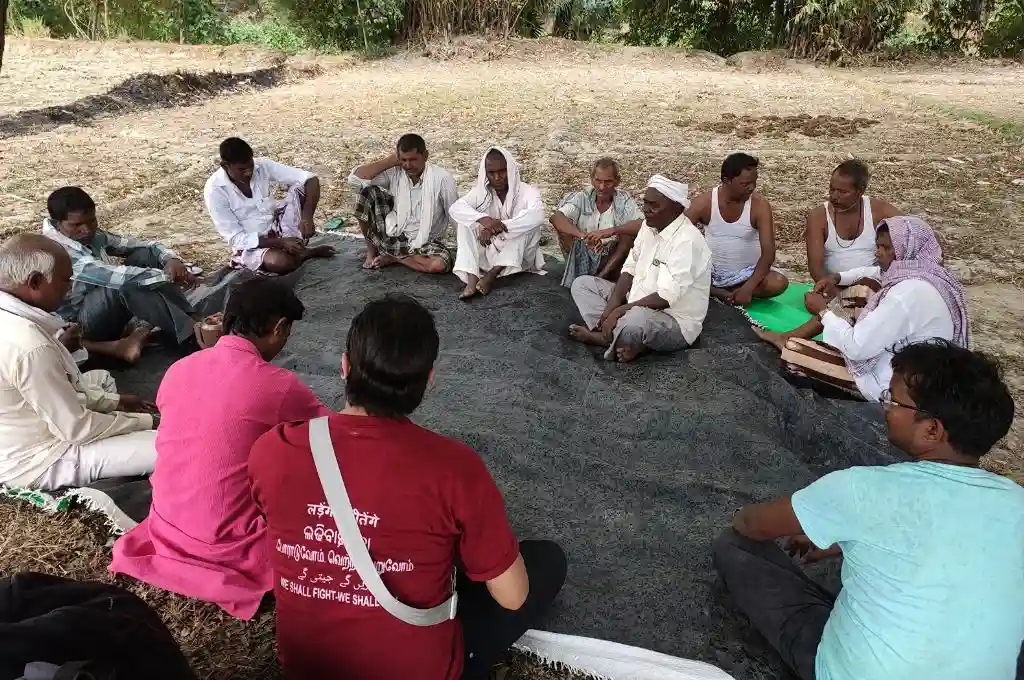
265,234
403,209
499,225
661,298
58,427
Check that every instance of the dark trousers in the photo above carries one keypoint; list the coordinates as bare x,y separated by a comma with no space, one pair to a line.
106,312
781,601
488,629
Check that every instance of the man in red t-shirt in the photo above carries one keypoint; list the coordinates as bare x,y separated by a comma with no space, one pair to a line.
423,503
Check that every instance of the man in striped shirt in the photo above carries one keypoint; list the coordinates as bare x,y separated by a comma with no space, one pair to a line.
147,282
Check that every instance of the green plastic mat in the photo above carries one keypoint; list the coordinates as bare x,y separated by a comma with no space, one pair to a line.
782,313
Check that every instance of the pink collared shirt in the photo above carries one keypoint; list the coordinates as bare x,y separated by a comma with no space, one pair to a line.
204,536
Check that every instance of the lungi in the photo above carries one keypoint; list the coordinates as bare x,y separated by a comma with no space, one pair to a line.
373,207
287,218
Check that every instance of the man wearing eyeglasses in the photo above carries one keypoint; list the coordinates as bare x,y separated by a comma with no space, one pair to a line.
933,549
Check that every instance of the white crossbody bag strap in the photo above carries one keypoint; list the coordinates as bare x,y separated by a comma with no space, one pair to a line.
341,507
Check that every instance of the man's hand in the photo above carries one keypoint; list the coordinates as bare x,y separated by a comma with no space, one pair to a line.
179,273
802,548
741,296
595,239
71,337
609,319
828,287
306,227
129,403
291,245
815,303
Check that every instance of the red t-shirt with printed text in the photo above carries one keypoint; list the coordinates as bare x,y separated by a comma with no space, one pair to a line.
423,503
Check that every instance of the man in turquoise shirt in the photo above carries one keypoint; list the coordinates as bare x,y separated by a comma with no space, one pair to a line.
933,549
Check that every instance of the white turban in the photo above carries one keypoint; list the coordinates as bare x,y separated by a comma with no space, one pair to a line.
670,189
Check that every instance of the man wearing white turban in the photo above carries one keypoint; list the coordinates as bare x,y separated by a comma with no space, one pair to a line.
661,298
499,225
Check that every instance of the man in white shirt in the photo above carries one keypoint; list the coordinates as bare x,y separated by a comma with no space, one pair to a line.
661,298
58,427
264,234
500,223
403,209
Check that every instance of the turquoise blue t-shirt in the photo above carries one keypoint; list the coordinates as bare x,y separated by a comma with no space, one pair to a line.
933,572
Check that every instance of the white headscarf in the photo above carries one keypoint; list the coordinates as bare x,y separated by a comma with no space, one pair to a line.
670,189
481,194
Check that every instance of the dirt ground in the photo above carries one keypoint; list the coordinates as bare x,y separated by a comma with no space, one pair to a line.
944,141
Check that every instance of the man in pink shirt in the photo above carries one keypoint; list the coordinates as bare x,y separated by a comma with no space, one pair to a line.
204,536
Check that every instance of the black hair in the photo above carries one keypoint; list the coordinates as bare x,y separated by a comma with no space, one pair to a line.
964,390
735,163
392,346
497,155
255,306
67,200
411,142
234,151
858,172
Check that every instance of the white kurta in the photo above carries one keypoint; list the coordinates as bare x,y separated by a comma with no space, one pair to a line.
522,213
912,311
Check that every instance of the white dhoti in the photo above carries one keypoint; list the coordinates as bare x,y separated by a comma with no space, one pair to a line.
125,455
287,218
516,254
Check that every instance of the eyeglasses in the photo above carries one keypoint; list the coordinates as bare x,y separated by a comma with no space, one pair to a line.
885,399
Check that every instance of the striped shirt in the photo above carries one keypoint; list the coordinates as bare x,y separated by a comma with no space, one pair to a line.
93,265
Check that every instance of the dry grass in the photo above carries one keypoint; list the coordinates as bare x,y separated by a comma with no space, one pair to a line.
219,647
946,145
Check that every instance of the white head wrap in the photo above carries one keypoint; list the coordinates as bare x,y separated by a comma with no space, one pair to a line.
480,193
670,189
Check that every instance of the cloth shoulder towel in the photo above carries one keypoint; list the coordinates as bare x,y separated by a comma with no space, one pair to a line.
50,325
670,189
432,179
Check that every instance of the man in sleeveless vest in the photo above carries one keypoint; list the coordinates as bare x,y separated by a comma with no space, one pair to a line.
739,230
841,232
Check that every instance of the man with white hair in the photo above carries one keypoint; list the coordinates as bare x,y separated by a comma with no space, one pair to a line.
58,427
499,225
661,298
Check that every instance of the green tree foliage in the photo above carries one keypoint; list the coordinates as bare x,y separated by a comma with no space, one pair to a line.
168,20
1003,35
347,24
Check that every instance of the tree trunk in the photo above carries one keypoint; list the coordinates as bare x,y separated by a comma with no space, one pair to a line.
3,30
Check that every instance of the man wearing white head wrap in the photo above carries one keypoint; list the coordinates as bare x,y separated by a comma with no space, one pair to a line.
499,225
661,298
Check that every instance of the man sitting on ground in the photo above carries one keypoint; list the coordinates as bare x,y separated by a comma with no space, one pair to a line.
425,505
740,231
841,233
499,225
403,209
106,294
596,226
58,427
661,298
933,549
265,234
204,537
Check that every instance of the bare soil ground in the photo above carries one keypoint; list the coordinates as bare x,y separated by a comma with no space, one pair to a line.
944,141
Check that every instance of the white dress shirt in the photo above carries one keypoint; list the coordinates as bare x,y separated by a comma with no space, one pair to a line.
675,264
912,311
44,411
241,220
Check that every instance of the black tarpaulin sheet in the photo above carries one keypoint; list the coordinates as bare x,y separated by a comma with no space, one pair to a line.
634,468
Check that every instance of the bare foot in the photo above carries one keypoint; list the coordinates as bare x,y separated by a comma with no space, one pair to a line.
129,348
382,261
586,336
721,294
626,353
368,262
322,251
776,340
471,288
